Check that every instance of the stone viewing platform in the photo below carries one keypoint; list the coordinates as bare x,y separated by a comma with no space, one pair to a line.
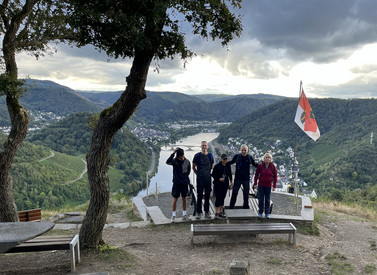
286,208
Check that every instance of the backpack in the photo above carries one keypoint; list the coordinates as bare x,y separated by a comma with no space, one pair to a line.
238,162
197,158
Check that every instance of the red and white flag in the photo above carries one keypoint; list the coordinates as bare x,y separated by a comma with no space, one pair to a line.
305,117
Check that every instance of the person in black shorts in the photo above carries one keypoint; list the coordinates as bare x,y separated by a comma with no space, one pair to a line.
181,180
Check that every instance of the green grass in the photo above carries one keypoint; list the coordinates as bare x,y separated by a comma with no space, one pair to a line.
370,269
73,163
274,261
338,264
324,153
114,176
77,165
119,257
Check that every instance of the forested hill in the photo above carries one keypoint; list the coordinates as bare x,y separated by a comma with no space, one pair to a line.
56,100
171,106
49,97
222,110
342,158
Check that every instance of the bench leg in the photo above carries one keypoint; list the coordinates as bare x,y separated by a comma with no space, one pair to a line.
192,234
74,251
294,238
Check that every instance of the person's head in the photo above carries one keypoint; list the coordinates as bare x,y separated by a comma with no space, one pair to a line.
244,149
224,159
267,158
180,154
204,146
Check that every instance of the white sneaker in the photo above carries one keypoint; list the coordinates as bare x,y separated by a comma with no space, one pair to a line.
172,218
185,217
198,216
208,216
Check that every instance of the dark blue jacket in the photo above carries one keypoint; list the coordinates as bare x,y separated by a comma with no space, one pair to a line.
243,166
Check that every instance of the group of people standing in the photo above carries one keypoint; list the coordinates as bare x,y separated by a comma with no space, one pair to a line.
265,179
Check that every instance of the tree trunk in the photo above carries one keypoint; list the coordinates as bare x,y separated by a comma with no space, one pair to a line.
20,121
98,157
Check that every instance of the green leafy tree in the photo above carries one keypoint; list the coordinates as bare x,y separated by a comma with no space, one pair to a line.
25,26
141,30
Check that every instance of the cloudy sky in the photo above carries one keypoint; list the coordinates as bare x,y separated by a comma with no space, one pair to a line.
329,45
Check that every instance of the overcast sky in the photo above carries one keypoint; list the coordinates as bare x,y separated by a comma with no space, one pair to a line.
329,45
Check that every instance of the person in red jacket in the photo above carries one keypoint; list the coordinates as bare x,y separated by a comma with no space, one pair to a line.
265,178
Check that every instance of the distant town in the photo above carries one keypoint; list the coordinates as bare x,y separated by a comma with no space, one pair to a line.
38,120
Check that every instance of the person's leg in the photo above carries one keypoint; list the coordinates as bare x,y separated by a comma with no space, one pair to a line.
200,190
222,194
184,204
233,199
224,190
246,190
175,194
184,192
216,190
207,195
174,204
260,199
267,197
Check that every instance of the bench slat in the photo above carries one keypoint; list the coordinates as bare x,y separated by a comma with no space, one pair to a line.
242,228
30,215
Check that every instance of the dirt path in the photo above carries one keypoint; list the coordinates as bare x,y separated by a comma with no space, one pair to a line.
345,243
50,156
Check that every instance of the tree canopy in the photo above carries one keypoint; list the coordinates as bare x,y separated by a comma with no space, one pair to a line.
123,27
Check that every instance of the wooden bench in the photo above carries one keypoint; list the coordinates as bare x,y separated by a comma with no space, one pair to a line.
30,215
244,228
47,243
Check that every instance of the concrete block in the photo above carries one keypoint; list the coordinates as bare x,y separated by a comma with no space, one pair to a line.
239,268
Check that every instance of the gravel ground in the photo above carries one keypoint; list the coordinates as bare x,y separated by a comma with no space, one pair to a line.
283,204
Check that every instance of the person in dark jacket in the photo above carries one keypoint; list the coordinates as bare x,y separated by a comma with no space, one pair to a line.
265,178
242,176
222,177
202,165
181,180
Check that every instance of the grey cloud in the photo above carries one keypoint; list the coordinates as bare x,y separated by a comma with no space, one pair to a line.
357,88
365,69
320,31
290,31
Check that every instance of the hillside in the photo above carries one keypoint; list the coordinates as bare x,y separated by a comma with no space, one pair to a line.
48,96
49,178
48,99
342,158
72,136
41,178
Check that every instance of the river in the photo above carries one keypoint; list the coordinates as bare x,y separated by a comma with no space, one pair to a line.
162,180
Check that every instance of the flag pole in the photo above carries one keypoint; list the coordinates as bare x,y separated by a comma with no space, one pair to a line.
294,159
